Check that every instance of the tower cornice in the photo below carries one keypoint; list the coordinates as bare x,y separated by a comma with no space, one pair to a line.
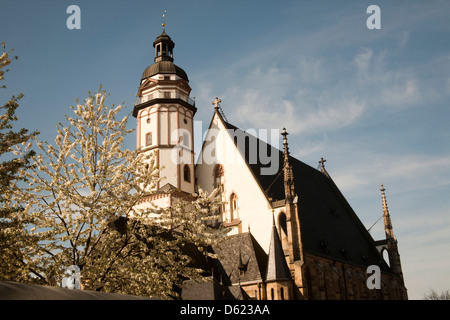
154,83
187,105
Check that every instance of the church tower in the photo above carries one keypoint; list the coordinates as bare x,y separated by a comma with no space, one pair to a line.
165,113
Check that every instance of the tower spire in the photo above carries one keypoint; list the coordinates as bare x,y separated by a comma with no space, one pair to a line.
292,223
391,241
387,218
289,191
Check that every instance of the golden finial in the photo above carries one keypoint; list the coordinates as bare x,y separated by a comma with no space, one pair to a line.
163,23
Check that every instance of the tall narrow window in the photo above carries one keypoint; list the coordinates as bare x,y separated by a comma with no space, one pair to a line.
218,183
187,173
233,206
385,254
148,139
218,174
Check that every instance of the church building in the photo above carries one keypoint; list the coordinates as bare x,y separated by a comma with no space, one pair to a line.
293,234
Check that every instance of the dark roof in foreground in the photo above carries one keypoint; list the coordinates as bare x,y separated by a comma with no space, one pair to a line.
21,291
211,290
241,259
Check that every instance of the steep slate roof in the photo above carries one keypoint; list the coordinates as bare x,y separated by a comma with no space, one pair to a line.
210,290
241,259
330,227
235,253
277,268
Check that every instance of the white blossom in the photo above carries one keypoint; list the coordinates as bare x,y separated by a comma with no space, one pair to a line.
85,182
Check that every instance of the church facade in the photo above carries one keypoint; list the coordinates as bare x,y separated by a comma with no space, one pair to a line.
293,234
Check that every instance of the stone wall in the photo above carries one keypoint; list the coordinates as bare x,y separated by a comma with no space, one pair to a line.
326,279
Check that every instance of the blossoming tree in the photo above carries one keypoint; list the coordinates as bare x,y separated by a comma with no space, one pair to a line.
10,165
79,208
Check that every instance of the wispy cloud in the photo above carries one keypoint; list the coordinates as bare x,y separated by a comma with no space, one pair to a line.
409,172
276,97
384,87
316,95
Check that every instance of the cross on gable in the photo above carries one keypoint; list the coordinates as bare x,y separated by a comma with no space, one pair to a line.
322,163
216,102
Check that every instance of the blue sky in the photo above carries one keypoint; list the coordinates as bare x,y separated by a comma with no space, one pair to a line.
373,103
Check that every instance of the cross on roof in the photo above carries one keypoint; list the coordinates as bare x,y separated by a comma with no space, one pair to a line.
217,102
322,163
